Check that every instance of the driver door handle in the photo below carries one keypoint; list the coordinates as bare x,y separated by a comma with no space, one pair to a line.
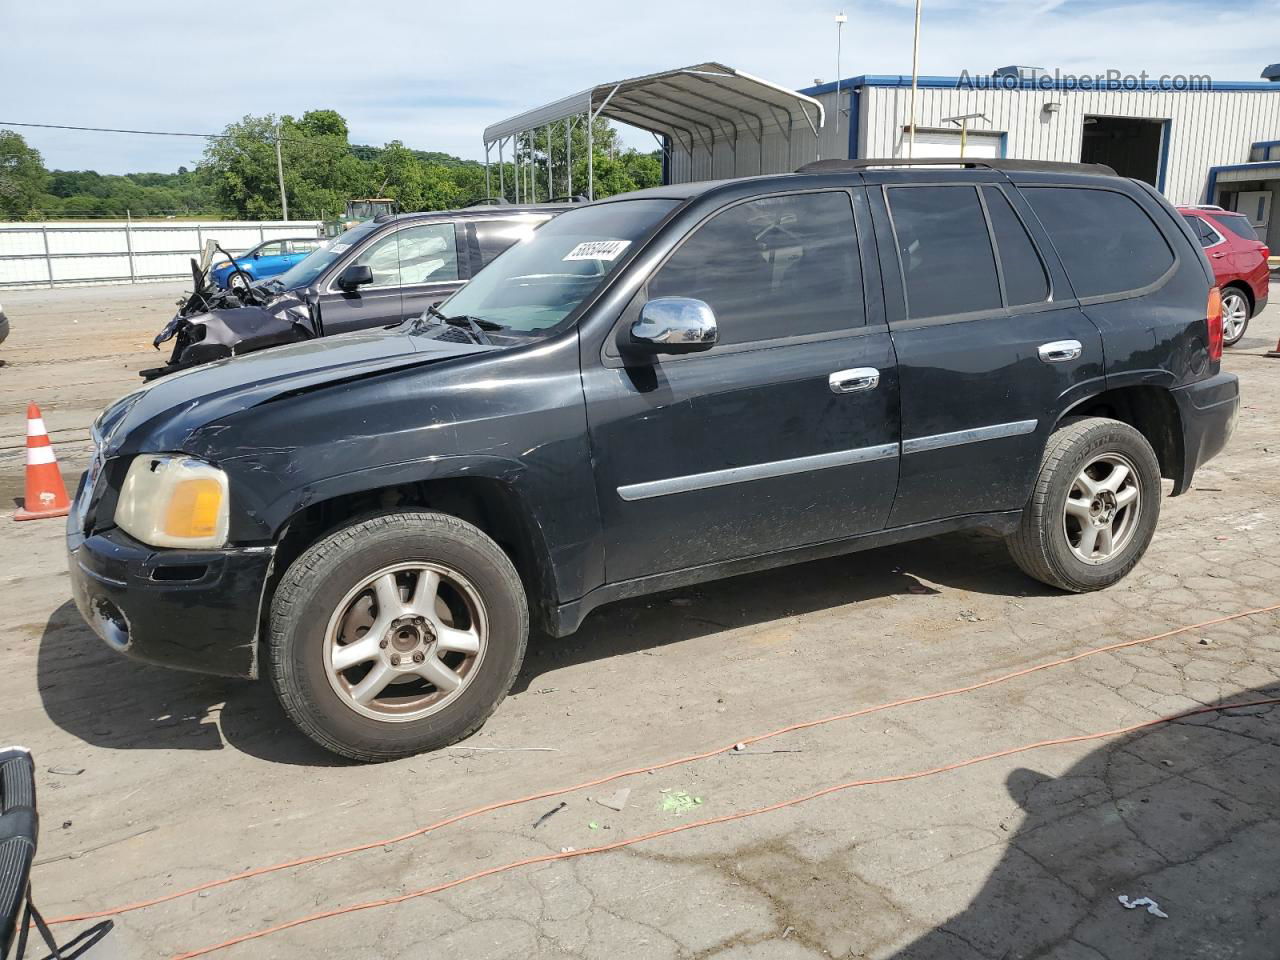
1060,351
854,380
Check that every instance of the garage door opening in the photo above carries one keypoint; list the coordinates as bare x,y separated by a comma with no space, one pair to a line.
1131,146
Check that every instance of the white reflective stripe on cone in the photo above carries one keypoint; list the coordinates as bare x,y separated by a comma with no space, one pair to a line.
37,456
35,428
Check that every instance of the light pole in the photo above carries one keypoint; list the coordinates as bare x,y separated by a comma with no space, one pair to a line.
915,78
841,20
284,199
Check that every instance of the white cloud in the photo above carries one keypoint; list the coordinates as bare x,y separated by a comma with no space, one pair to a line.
433,75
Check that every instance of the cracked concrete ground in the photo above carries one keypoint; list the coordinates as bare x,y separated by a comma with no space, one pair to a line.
186,779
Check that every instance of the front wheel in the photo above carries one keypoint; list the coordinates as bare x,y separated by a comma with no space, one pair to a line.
1093,509
398,634
1235,316
238,281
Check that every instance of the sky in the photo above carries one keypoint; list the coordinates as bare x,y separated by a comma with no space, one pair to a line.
435,74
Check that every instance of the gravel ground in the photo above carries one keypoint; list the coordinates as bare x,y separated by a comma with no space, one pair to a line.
183,779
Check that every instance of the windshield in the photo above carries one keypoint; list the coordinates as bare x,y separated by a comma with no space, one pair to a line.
539,281
304,272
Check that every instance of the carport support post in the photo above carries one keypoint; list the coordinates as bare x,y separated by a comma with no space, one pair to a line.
591,156
502,179
488,189
568,157
550,186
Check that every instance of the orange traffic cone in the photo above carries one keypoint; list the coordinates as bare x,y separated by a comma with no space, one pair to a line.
1274,354
46,494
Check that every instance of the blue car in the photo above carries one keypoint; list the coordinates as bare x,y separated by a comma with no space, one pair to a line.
265,260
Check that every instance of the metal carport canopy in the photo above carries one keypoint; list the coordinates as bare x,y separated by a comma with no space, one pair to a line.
697,107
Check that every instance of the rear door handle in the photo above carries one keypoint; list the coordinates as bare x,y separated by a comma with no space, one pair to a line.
1060,351
854,380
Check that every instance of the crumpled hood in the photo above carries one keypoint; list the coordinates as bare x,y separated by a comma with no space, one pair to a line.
159,417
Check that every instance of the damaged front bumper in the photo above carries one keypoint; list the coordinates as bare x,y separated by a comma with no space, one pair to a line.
189,609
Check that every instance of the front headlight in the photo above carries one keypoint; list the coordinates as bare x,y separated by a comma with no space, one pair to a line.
172,500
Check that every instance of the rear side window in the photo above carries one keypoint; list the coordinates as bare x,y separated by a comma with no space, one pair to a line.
773,267
1025,280
1106,241
1239,225
1200,227
945,250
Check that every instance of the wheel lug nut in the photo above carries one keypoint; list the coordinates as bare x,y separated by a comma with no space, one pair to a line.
419,656
395,659
382,645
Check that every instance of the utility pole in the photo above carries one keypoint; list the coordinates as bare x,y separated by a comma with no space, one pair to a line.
915,79
841,19
284,200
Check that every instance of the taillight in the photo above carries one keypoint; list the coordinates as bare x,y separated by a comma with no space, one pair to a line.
1213,313
1266,252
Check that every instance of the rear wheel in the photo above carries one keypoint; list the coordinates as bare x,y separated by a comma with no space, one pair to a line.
398,634
1235,315
1094,507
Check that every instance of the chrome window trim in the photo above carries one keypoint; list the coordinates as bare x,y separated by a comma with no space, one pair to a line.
995,431
755,471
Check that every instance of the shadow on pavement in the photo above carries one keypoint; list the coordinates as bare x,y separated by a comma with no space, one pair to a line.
1186,813
109,701
974,561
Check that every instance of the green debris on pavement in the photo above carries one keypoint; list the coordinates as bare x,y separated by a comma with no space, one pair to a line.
679,801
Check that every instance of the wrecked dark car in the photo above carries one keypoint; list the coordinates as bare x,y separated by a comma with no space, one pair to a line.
376,274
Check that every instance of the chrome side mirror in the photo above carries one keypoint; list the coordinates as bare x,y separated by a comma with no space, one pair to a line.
672,325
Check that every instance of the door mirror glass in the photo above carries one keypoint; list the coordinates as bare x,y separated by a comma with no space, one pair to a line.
355,275
672,325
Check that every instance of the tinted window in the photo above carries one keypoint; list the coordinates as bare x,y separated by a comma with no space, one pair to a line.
1024,278
318,261
945,250
1106,241
494,236
1200,227
1239,225
774,267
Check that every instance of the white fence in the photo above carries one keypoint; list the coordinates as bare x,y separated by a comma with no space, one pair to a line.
118,251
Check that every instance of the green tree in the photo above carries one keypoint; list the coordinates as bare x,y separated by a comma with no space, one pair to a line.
22,176
320,171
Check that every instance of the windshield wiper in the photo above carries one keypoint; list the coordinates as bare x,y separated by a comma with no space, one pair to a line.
476,326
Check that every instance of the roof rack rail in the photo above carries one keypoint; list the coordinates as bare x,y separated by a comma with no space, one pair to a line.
1042,166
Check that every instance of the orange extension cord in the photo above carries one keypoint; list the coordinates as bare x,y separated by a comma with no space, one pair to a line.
740,815
488,808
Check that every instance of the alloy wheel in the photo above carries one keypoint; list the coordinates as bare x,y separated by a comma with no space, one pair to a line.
1235,314
406,641
1100,516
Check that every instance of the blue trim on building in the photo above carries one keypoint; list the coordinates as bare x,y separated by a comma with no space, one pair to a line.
1214,171
1004,144
855,135
1044,82
1166,134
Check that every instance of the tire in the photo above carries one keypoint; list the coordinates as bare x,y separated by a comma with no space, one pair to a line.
1236,309
479,606
1051,541
238,281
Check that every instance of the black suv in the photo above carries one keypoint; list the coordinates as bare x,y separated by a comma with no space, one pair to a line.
658,389
377,273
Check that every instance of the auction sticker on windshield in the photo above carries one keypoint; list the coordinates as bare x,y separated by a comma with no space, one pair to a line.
598,250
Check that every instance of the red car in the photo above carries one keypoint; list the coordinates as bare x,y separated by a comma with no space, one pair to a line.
1239,261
